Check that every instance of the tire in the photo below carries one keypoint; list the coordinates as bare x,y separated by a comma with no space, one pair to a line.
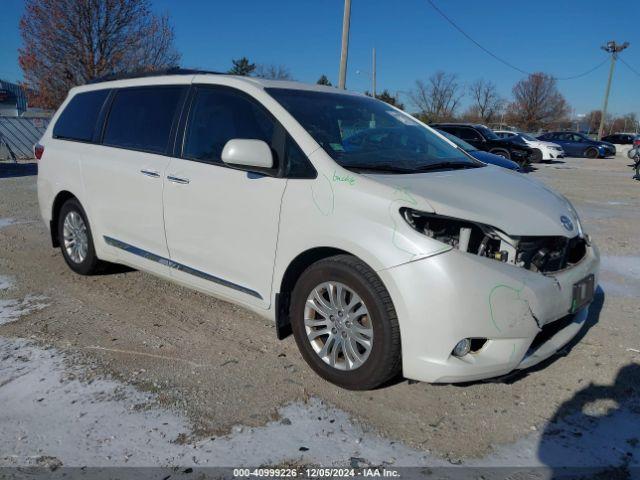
632,153
76,241
591,153
382,360
536,156
502,153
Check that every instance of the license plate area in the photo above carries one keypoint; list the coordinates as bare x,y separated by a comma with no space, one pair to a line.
583,293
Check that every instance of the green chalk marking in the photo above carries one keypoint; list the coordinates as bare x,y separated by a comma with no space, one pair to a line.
315,200
348,179
493,290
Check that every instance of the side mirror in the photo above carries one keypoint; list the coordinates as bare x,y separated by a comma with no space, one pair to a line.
247,153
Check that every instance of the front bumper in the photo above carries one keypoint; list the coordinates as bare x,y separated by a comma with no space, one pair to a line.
442,299
552,154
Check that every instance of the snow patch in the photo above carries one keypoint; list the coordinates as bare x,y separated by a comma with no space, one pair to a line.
46,411
5,222
12,310
6,282
49,415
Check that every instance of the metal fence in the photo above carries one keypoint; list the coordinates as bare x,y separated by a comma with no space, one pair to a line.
18,135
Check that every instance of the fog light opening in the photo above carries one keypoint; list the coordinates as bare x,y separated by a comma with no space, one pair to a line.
462,348
468,345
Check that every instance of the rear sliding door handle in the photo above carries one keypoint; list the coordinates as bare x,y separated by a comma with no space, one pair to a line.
180,180
150,173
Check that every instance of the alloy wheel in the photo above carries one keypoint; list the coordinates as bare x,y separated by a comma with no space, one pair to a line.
75,237
338,325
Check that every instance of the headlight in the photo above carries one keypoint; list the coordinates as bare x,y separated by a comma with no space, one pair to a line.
464,235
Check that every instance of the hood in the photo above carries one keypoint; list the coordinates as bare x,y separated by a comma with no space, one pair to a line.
487,157
509,142
509,201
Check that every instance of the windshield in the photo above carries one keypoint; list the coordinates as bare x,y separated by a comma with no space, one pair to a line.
487,133
526,136
467,147
362,133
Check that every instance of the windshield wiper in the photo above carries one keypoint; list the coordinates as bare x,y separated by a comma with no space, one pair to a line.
445,166
418,169
379,168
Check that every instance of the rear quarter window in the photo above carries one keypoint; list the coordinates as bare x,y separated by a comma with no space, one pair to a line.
78,120
141,118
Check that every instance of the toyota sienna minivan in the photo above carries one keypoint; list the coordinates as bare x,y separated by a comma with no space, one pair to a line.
381,245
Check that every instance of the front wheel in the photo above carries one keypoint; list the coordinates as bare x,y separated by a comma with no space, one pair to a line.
345,324
536,156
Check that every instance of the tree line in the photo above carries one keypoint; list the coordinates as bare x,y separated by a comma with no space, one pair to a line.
71,42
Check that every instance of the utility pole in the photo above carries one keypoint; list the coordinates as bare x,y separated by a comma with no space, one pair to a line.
342,80
373,73
614,49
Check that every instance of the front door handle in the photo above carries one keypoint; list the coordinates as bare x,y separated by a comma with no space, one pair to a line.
180,180
150,173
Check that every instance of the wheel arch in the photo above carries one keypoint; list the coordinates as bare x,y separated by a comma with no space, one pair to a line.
494,150
291,275
60,200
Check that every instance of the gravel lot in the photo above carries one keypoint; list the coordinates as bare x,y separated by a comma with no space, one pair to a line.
188,369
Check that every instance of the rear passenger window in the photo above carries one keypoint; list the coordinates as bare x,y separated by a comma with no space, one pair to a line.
141,118
219,115
78,119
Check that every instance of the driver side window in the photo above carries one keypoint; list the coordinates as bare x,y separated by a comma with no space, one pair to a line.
219,115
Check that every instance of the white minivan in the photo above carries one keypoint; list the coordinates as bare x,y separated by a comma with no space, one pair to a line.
383,247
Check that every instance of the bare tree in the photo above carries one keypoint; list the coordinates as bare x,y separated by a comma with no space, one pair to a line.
593,120
438,98
70,42
273,72
487,103
538,103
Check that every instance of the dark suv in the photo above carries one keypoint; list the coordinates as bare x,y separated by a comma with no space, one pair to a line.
620,138
485,139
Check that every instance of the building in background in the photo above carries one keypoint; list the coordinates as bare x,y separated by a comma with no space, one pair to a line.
20,126
13,99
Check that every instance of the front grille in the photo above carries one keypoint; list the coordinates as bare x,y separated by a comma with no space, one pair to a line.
549,330
550,254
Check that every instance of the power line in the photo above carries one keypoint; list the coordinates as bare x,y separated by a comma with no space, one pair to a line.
500,59
629,66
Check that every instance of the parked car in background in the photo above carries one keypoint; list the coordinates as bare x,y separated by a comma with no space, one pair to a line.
578,144
483,138
402,254
481,155
542,151
620,138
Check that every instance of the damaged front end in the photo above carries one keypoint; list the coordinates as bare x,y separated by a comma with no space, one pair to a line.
543,254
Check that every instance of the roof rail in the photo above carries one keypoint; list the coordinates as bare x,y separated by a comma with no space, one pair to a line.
151,73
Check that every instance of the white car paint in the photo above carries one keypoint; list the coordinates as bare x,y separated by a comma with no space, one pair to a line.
245,232
549,150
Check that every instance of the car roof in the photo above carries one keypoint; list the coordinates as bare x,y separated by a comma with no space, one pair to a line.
181,76
460,124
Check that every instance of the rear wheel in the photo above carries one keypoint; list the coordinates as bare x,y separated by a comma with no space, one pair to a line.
345,324
591,153
76,241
